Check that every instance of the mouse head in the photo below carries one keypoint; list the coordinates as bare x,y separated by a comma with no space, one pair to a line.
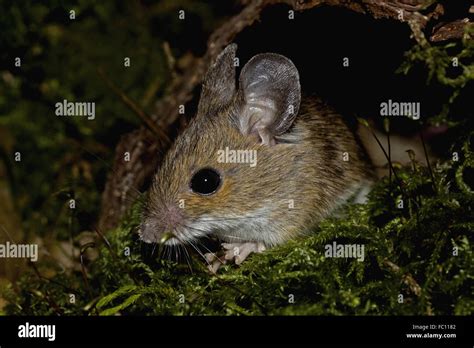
227,170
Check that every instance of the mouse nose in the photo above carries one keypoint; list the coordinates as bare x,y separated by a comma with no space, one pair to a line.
160,226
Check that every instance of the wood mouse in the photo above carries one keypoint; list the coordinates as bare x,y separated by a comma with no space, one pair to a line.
307,161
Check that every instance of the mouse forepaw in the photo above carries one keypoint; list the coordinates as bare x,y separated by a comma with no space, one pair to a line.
236,252
214,262
240,251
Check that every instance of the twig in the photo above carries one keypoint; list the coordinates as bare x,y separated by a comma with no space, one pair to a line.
428,162
134,107
399,183
389,148
107,243
83,268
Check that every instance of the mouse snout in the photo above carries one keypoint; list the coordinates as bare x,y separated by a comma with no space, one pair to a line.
160,226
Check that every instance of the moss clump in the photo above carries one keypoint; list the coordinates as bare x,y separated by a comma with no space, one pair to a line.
421,253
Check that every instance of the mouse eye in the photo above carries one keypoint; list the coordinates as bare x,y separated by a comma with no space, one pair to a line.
206,181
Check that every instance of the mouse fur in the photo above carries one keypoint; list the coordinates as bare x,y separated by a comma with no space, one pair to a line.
300,176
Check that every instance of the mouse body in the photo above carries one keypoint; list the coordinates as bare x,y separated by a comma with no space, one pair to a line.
257,166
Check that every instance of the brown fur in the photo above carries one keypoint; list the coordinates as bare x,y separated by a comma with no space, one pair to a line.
306,166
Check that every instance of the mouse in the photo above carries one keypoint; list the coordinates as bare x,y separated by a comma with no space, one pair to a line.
258,165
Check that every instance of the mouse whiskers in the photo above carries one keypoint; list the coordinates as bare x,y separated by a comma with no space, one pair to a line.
195,247
187,257
154,247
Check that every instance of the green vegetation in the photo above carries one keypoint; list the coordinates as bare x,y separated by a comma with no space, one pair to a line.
70,157
422,251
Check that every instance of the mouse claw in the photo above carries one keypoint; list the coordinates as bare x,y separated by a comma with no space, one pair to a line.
214,267
214,262
210,257
240,251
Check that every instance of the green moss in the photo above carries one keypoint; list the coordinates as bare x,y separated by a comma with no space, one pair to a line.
423,252
449,65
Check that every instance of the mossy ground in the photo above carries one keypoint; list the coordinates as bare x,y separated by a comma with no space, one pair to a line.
419,260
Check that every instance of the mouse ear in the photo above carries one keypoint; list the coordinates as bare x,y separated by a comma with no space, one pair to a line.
270,96
218,87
